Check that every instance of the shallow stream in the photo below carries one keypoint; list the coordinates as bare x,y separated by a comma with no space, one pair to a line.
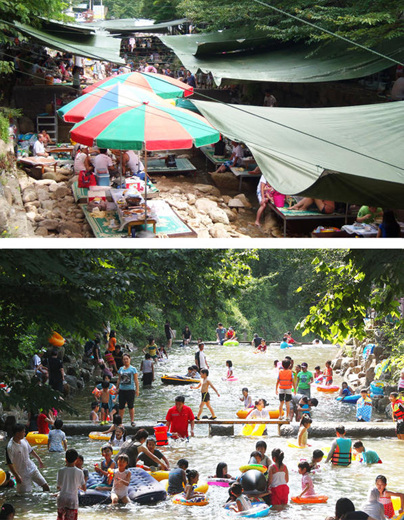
257,373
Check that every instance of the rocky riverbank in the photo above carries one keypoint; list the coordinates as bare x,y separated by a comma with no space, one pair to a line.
37,205
359,371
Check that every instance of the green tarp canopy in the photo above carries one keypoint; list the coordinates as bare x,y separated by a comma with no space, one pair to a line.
134,25
75,39
346,154
255,57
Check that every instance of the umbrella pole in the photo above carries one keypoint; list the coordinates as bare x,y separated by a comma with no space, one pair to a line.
121,157
145,187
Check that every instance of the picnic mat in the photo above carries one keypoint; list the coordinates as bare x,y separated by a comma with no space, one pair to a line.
159,166
168,223
300,213
80,194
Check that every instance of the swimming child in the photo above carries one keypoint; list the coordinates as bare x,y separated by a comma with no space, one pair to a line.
177,478
147,462
57,438
261,446
192,480
372,506
385,497
79,464
318,374
290,340
367,456
364,407
108,463
7,511
205,396
190,372
316,458
255,457
151,348
69,480
303,406
284,343
278,478
277,365
345,390
95,407
239,501
147,368
119,437
116,422
246,399
328,373
162,352
262,347
221,471
305,424
121,481
400,386
307,483
105,401
285,382
230,372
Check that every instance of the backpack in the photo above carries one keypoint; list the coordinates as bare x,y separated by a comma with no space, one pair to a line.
86,179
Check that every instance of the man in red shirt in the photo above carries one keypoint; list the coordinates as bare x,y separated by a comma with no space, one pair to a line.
178,418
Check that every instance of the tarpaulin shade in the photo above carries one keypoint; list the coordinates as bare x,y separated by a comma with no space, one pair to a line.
99,46
346,154
133,25
254,57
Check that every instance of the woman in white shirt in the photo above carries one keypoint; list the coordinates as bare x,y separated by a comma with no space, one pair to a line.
81,160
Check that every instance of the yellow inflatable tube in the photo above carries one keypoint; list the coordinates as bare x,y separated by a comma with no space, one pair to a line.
37,438
159,475
202,487
259,467
199,500
100,436
253,429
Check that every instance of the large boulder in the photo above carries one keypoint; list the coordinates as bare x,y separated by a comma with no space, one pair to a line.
244,200
218,230
218,215
205,205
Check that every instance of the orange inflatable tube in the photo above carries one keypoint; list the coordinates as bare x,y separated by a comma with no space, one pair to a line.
56,340
314,499
242,414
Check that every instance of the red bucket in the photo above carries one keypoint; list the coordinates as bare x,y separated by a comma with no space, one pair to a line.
160,433
279,200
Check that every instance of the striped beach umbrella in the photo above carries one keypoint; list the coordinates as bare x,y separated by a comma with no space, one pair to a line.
145,126
105,98
163,86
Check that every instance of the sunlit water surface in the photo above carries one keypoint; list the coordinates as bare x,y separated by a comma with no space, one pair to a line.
256,372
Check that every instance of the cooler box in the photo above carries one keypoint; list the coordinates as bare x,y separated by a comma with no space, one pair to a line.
102,179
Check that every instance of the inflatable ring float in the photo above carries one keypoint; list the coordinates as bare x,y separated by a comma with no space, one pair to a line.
159,475
314,499
255,430
256,511
200,500
348,398
202,487
291,445
3,477
100,436
56,340
242,414
178,380
37,438
327,388
231,343
221,482
258,467
232,378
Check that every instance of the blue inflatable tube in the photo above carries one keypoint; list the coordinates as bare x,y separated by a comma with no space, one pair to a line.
349,398
143,489
258,510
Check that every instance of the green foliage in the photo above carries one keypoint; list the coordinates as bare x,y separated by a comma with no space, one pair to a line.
5,114
160,10
364,21
123,8
363,281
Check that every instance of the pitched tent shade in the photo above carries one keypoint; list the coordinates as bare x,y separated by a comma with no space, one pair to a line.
347,154
255,57
98,46
132,25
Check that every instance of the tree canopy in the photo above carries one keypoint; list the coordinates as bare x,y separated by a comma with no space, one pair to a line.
365,21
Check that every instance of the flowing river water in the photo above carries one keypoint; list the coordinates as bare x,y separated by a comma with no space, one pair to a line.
256,371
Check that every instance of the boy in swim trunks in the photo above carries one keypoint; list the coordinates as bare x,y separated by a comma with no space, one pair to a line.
204,386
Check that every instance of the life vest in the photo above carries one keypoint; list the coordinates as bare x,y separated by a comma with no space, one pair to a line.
342,455
285,379
398,411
